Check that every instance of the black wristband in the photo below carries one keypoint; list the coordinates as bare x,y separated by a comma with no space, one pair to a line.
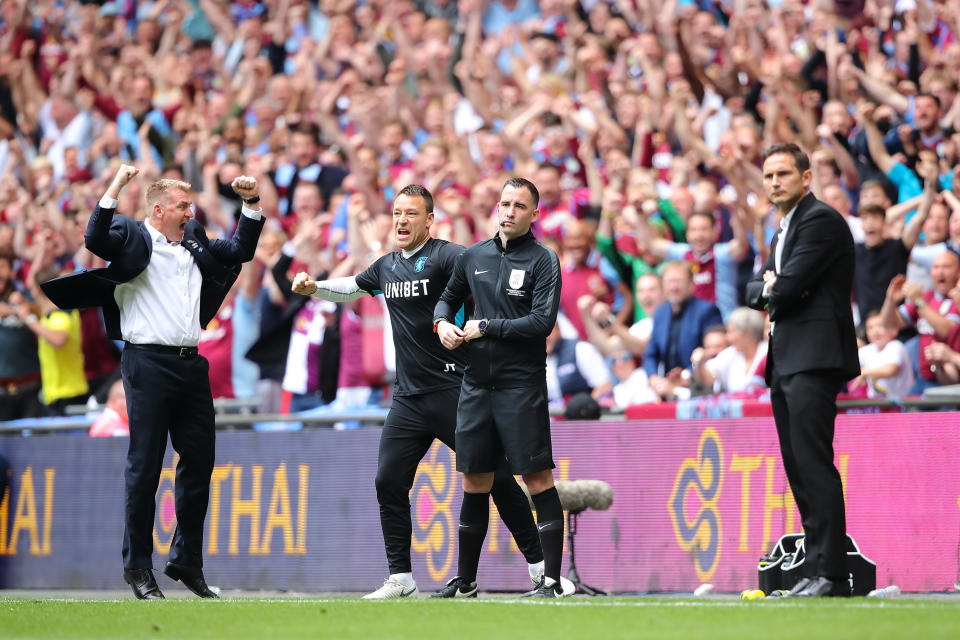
253,200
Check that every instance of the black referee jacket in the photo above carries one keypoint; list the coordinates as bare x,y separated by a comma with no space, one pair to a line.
517,289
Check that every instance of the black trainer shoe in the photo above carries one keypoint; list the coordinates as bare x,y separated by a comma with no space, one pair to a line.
457,588
543,591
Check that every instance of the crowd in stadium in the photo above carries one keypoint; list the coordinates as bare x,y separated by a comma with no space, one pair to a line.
641,123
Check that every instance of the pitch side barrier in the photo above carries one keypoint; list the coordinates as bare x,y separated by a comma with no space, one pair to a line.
694,501
238,413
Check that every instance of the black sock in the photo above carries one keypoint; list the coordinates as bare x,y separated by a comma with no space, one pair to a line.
515,512
474,519
550,524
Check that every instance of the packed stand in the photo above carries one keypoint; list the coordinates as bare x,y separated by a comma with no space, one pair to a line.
640,122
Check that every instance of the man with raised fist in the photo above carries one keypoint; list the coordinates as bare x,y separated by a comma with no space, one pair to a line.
164,283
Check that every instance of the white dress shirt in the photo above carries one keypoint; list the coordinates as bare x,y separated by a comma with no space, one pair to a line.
778,252
784,226
162,304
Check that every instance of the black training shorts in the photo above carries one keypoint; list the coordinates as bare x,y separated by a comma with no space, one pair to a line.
492,423
428,415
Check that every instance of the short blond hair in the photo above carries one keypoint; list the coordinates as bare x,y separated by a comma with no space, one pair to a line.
158,190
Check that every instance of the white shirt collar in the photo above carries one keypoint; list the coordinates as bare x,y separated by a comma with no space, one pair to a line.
786,219
156,237
408,254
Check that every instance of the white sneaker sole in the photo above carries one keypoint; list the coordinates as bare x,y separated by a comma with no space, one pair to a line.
376,595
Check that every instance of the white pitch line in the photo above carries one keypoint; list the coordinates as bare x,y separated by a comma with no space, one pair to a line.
899,604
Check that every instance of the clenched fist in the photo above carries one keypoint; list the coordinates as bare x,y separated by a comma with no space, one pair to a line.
303,284
245,187
125,174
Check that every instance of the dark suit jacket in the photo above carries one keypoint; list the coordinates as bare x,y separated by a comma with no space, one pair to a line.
810,301
698,316
125,244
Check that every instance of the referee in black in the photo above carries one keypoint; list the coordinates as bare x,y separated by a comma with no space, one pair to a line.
427,388
515,283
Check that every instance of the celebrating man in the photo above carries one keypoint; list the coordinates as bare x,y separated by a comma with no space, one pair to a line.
428,384
165,282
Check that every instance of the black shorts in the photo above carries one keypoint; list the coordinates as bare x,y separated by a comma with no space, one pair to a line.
492,423
431,415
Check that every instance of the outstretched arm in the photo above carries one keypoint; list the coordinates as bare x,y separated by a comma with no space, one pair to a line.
335,290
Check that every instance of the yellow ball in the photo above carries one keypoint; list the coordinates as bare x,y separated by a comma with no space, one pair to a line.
751,594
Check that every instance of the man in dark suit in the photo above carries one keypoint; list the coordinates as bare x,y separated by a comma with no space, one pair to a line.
679,325
805,286
165,281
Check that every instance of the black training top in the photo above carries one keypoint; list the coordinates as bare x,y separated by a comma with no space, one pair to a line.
412,287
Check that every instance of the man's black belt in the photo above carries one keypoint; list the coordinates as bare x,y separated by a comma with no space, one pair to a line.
183,352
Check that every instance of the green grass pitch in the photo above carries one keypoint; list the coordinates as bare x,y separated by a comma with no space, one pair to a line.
482,619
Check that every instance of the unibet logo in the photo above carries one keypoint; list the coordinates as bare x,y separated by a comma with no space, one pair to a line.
406,289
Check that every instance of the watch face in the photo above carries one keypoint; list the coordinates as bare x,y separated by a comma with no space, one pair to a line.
482,326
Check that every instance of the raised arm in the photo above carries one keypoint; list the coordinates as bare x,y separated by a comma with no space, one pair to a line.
912,231
878,152
242,246
894,214
881,91
100,238
891,302
942,326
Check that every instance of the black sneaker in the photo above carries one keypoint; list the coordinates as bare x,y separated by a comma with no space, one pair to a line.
457,588
543,591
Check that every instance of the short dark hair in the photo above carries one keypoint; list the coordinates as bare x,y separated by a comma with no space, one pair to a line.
552,37
872,209
550,119
800,159
716,328
926,94
548,166
517,182
307,129
706,214
420,191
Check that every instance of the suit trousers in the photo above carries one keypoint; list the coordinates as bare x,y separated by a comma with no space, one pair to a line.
805,408
167,394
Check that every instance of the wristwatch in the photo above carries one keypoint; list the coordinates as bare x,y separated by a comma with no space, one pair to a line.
482,326
253,200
